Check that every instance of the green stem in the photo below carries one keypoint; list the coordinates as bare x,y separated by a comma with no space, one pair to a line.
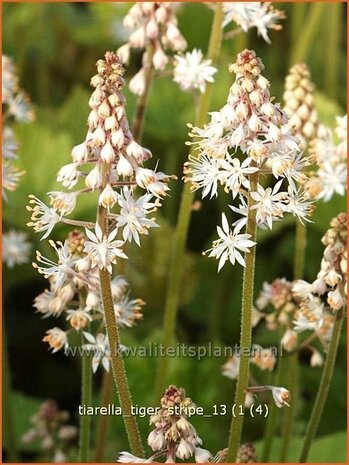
138,122
273,410
322,393
104,420
8,418
305,39
246,326
85,420
299,12
117,362
299,251
289,413
177,255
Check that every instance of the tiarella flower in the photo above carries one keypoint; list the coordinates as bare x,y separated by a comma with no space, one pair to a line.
204,173
79,318
235,174
11,176
133,215
333,180
154,182
229,244
269,203
108,197
247,15
173,434
61,270
20,108
68,175
128,311
42,217
316,359
281,396
151,23
99,345
15,248
9,144
63,202
103,250
56,338
230,369
191,71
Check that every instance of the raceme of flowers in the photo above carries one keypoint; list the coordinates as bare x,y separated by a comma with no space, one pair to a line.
48,426
173,435
155,24
109,161
76,295
250,135
261,15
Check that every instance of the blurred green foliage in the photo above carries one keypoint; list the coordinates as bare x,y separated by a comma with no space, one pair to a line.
55,47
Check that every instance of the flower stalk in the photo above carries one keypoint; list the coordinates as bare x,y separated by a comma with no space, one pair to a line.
86,397
246,326
176,261
325,383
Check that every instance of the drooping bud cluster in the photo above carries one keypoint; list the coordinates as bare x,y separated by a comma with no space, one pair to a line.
247,453
261,15
299,103
331,159
116,160
48,426
68,280
155,24
173,435
248,136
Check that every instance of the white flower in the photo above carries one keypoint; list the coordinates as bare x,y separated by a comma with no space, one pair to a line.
228,245
137,83
10,177
230,369
68,175
63,201
234,174
133,215
289,340
333,180
204,173
192,72
56,338
260,15
43,218
108,197
156,440
268,203
100,346
103,250
299,205
60,271
302,289
9,144
153,182
281,396
128,311
202,455
126,457
15,248
316,360
79,318
184,450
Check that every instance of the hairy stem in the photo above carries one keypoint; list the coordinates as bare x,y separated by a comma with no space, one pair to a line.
299,250
117,362
177,255
246,326
325,383
289,413
86,397
104,420
137,125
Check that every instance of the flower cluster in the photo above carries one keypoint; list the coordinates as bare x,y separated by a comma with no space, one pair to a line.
331,159
192,71
116,171
173,435
247,15
249,136
299,103
155,24
48,426
76,294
